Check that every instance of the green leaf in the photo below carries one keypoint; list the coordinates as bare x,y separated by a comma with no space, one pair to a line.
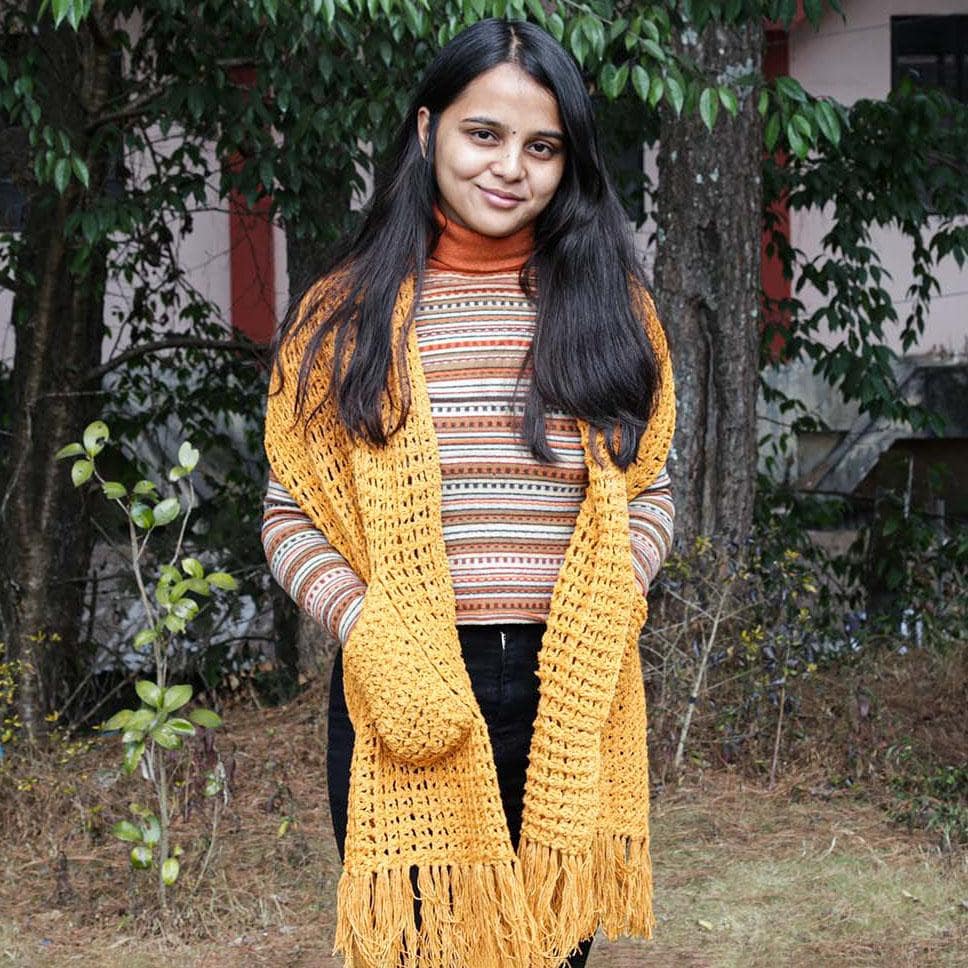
790,88
797,142
81,472
145,637
187,456
655,50
537,11
141,857
149,692
656,89
176,697
803,125
708,107
640,81
556,26
728,100
95,436
764,103
132,736
814,10
193,567
166,737
132,756
142,515
177,473
127,831
169,871
144,487
205,718
114,490
181,726
62,174
119,720
69,450
186,608
675,94
772,132
621,79
152,829
198,585
174,624
80,169
141,718
166,511
169,574
828,122
222,580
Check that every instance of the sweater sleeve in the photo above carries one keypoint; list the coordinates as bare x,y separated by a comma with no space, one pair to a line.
651,518
307,567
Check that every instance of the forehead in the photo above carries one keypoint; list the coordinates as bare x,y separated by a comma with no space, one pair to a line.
509,95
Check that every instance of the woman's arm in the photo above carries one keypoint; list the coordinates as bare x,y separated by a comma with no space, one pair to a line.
307,567
651,518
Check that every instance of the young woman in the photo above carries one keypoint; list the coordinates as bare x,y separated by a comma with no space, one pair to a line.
467,428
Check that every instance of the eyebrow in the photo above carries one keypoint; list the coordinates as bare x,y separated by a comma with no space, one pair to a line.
490,122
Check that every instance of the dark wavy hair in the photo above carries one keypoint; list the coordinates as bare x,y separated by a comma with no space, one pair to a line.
590,355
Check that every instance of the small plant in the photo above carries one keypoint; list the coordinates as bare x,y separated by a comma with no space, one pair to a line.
155,728
9,720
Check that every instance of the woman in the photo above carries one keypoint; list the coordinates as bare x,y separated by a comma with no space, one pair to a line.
467,428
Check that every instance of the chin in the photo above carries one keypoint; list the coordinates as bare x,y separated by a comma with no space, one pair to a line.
491,223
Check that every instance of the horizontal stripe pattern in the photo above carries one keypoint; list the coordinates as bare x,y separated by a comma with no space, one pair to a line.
507,518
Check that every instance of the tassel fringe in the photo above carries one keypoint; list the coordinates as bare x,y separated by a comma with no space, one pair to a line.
571,894
469,913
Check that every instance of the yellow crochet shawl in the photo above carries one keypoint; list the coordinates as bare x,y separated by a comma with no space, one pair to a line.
423,785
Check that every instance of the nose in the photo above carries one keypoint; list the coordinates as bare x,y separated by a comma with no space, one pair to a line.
509,165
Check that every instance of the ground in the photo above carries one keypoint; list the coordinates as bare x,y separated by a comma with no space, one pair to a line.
804,874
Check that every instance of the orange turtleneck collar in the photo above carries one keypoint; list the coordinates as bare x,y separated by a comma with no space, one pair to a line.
462,249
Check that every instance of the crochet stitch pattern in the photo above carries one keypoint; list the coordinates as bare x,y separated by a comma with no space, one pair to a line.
423,785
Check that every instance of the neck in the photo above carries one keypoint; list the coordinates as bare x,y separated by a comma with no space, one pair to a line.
462,249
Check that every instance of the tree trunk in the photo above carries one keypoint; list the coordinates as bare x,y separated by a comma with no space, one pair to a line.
707,280
45,540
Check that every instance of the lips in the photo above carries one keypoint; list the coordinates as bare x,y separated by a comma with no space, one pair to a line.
499,194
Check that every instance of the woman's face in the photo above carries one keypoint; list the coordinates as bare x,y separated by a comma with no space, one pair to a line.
500,151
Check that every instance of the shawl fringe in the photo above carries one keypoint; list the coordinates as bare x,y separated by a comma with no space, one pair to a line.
469,913
571,894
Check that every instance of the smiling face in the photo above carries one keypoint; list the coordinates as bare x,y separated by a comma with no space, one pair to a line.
499,153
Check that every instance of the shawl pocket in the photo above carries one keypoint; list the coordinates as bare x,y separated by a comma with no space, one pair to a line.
417,715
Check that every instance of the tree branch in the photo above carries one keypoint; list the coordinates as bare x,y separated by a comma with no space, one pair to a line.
138,104
174,342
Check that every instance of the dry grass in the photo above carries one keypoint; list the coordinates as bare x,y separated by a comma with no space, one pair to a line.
744,877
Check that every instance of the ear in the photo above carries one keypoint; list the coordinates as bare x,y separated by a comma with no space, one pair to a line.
423,129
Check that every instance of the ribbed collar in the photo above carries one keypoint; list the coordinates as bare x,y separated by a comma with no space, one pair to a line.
461,249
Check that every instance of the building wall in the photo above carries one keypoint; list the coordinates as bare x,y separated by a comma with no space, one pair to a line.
849,61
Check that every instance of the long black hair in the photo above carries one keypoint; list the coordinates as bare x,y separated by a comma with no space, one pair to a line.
590,355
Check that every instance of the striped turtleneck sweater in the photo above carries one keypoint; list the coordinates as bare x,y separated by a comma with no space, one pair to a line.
507,518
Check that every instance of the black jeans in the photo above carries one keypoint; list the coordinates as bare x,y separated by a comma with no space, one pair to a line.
506,687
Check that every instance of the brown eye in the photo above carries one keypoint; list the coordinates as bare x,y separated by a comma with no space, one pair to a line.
482,131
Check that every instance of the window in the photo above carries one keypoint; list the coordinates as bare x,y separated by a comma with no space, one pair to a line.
932,51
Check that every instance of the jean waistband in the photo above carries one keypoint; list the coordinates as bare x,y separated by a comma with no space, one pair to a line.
501,634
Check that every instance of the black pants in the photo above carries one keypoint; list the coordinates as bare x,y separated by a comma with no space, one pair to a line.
506,689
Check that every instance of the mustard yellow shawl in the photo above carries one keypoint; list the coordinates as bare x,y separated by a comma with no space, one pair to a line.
423,785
